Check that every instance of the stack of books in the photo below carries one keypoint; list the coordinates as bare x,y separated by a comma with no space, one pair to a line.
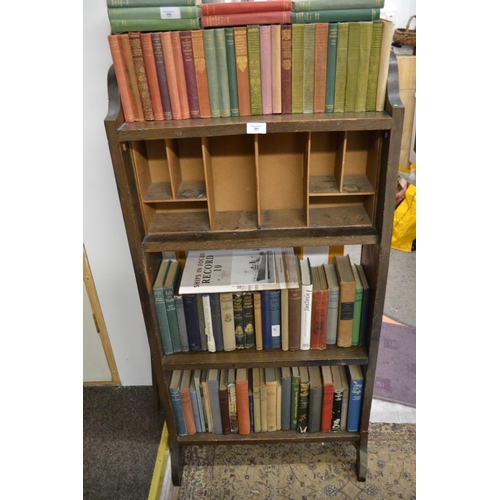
321,11
260,299
255,400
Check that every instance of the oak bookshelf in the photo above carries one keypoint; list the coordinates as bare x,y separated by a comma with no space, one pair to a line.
311,180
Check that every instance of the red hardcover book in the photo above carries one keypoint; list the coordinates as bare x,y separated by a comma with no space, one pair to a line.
266,69
242,401
273,17
187,407
327,401
211,9
242,75
121,78
224,402
140,73
168,57
200,65
286,68
276,64
320,298
190,73
162,75
181,75
128,62
151,74
320,65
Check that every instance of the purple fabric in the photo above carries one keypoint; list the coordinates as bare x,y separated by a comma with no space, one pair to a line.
395,376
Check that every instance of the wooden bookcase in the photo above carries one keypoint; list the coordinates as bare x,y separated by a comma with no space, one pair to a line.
311,179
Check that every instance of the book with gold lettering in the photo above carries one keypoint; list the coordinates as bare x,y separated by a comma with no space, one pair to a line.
242,75
200,65
286,68
253,41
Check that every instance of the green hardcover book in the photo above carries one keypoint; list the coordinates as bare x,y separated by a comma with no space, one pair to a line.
364,64
150,3
149,12
161,308
231,71
331,67
309,55
169,289
253,39
297,67
358,305
341,68
305,5
371,91
124,25
351,85
220,52
294,407
335,16
212,74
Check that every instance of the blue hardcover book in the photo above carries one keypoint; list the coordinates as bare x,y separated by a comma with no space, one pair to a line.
356,386
275,307
181,319
169,288
175,398
161,307
266,319
216,321
194,404
192,324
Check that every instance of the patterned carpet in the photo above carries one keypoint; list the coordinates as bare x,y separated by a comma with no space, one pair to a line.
304,471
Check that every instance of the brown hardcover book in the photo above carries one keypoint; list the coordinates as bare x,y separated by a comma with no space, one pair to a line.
242,74
271,388
168,57
320,299
128,61
294,315
320,66
140,73
162,75
286,68
206,399
187,407
181,75
121,78
151,74
257,311
385,52
200,65
211,9
327,404
224,402
257,427
190,73
243,403
346,300
276,66
246,18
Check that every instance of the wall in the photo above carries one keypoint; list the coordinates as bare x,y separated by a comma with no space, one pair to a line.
104,234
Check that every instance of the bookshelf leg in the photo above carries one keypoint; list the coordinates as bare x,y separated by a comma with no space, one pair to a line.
176,462
362,460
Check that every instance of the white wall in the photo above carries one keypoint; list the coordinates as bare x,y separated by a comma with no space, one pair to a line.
104,232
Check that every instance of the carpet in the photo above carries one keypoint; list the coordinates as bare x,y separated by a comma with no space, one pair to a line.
395,376
304,471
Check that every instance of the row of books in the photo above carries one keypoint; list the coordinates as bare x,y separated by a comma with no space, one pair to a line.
296,307
243,401
176,15
252,70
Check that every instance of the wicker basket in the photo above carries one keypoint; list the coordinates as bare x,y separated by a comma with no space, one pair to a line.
406,36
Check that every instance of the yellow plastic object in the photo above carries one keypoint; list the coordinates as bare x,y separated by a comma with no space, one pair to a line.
404,230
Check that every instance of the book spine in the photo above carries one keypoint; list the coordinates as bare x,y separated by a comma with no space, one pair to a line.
385,52
320,66
139,25
286,68
187,410
346,316
331,67
306,318
181,74
309,60
337,409
201,73
242,76
303,407
181,321
256,403
239,328
220,50
371,91
172,319
286,388
212,74
352,66
121,78
335,16
140,73
250,405
266,319
319,320
341,69
201,322
190,73
364,65
333,313
285,330
263,402
192,325
212,9
248,319
161,314
354,410
231,71
307,5
224,410
180,423
150,12
294,318
327,408
243,405
213,390
168,59
295,401
356,319
207,314
275,311
297,67
227,313
253,41
233,408
200,399
276,67
257,310
246,18
216,321
196,410
271,406
162,76
266,69
206,400
152,3
314,413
